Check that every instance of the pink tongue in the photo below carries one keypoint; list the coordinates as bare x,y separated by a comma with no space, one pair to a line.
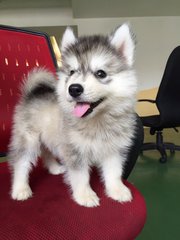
80,109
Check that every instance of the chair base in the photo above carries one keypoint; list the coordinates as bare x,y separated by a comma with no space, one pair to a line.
161,146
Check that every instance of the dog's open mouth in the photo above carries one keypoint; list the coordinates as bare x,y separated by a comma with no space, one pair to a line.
82,109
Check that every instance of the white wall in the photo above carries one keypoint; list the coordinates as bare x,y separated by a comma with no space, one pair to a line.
36,17
156,36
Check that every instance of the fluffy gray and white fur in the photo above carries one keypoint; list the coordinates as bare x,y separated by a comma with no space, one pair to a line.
85,118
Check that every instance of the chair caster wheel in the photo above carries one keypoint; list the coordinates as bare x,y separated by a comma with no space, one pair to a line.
163,160
172,151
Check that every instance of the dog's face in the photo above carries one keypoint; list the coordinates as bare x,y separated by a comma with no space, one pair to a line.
96,72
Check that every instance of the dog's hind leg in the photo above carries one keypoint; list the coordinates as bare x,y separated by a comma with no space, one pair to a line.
53,166
21,158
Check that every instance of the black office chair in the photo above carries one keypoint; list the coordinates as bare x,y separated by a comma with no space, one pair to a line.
168,104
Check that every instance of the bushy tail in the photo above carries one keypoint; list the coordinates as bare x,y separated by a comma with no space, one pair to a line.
39,81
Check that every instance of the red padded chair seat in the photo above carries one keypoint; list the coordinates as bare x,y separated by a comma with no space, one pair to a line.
51,213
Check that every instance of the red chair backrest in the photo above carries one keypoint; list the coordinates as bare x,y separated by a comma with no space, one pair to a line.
20,51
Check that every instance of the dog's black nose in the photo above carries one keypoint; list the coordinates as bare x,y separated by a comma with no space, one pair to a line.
75,90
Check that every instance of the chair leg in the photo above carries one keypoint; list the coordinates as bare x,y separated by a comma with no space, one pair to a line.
170,146
161,147
148,146
177,147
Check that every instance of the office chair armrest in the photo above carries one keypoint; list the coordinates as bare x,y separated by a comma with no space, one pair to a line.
147,100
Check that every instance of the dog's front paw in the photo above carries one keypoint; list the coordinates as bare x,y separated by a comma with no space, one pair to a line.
120,193
87,198
21,193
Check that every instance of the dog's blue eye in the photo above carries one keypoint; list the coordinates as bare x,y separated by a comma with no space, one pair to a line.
100,74
71,72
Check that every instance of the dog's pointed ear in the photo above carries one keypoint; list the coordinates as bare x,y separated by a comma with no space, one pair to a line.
67,39
123,40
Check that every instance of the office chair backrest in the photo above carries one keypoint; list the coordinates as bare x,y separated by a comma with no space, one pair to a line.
20,51
168,97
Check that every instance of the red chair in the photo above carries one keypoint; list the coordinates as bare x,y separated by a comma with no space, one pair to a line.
20,51
51,213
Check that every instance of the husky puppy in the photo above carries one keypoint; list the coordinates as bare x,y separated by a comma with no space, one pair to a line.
85,118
